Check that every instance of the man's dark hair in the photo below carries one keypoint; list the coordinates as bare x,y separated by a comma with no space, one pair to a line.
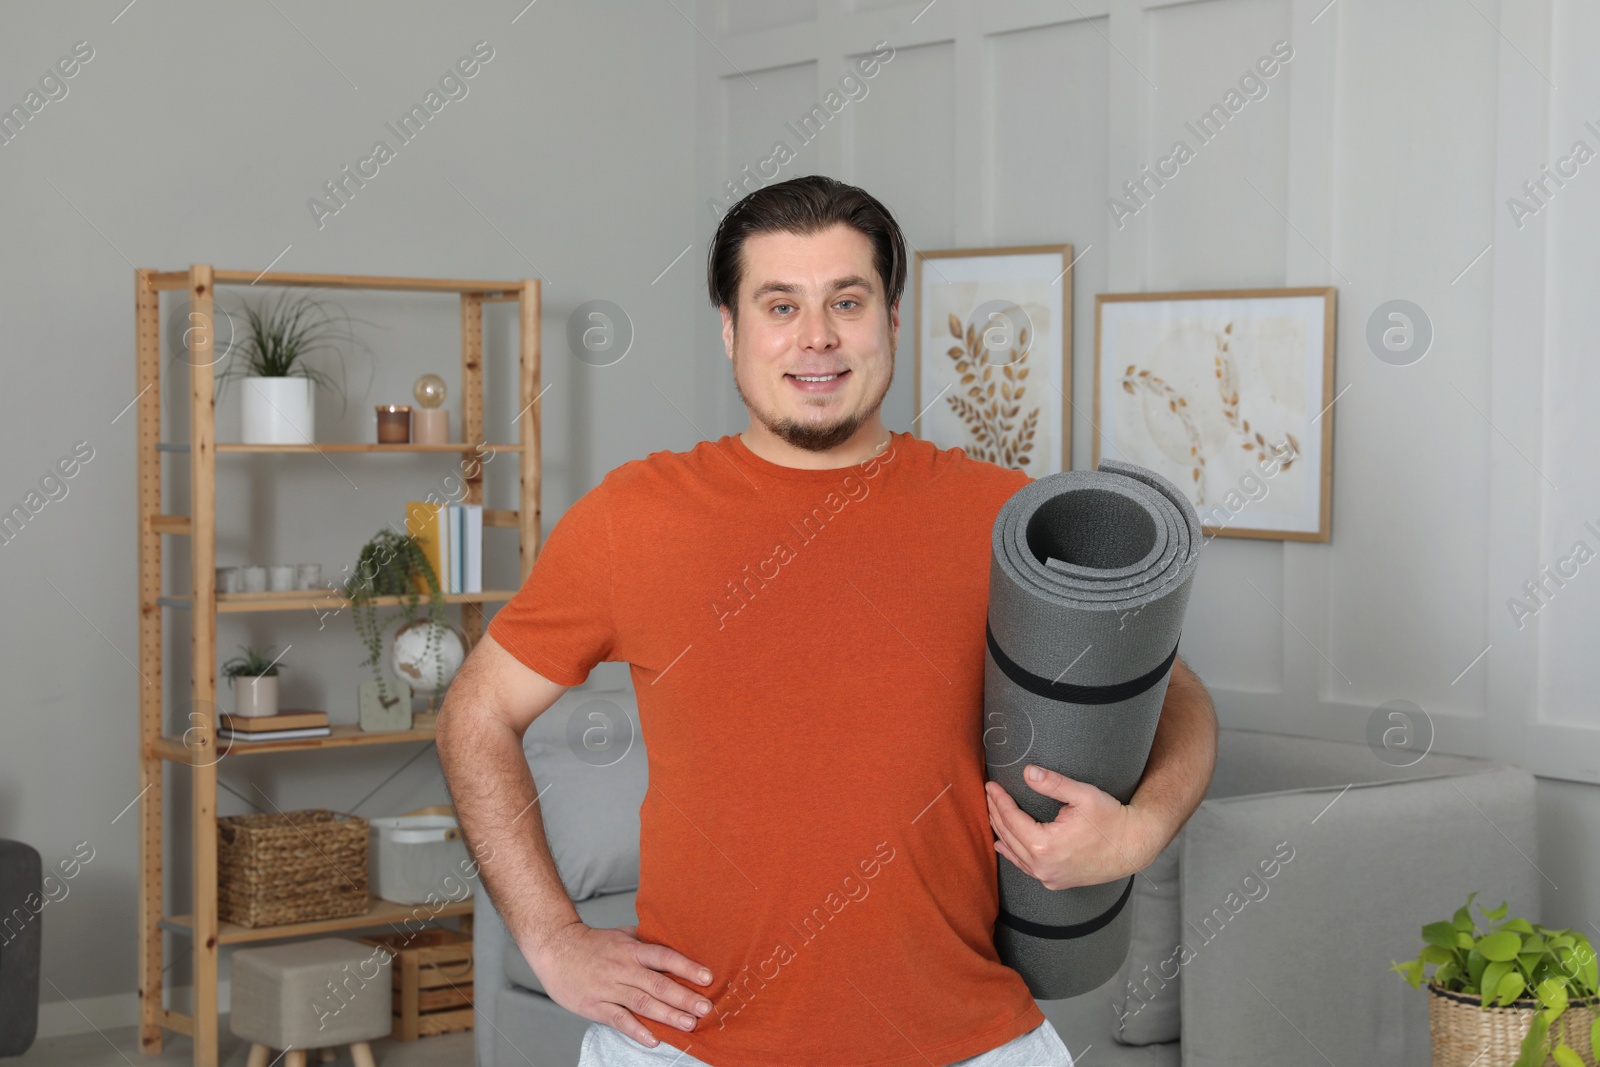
803,206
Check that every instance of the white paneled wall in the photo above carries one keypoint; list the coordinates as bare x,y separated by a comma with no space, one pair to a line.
1376,157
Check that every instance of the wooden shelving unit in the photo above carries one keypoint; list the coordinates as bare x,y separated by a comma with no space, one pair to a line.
196,750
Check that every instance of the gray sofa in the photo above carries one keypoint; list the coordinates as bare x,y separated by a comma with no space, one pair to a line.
1262,935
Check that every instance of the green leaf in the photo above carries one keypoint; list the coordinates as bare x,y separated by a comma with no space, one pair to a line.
1509,988
1533,943
1594,1039
1564,1056
1521,926
1464,940
1435,954
1497,913
1534,1042
1440,934
1553,994
1499,946
1405,970
1448,972
1475,965
1492,976
1463,917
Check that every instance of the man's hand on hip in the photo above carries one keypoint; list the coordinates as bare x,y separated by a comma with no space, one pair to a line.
610,976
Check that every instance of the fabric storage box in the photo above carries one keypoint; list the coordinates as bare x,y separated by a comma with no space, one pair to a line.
288,867
415,857
432,975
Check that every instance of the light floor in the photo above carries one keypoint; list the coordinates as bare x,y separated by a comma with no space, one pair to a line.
120,1048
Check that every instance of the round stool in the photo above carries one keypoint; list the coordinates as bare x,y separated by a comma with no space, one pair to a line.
311,995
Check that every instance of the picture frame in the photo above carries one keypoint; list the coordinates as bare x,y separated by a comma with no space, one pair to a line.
1178,379
972,305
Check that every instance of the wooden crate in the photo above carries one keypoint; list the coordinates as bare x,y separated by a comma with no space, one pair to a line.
432,972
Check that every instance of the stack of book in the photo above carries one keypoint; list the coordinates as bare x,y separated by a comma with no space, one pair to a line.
280,727
451,536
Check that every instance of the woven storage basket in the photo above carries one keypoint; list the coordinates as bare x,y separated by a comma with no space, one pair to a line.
1466,1033
290,867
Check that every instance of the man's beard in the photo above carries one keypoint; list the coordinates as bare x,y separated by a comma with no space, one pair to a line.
809,436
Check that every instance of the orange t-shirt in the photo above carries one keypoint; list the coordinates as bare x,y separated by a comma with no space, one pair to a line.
807,647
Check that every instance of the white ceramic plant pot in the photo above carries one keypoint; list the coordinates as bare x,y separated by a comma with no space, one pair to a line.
277,411
255,697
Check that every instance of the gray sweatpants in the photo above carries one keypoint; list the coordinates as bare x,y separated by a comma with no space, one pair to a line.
606,1046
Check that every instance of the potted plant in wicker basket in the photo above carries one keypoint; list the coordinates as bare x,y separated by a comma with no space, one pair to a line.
1514,988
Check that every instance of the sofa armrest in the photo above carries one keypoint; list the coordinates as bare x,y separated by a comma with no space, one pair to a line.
489,941
1295,903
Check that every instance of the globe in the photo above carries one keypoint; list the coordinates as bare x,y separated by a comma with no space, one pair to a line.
421,648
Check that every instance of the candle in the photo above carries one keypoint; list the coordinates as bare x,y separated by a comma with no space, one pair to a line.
394,424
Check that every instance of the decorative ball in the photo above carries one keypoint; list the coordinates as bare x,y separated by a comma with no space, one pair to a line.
421,648
429,390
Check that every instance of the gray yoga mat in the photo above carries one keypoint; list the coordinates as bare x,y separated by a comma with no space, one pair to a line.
1087,588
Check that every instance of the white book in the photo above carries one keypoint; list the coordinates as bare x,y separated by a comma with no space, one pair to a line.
458,515
274,735
447,541
474,549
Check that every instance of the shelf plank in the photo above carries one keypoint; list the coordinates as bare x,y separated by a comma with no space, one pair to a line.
363,281
318,447
380,913
341,735
304,599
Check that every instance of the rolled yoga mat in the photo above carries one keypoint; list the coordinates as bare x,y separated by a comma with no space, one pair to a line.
1087,588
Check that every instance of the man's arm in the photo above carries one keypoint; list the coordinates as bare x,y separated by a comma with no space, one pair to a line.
488,707
606,975
1095,838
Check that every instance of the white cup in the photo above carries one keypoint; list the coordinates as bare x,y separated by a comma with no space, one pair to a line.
228,580
255,579
281,577
308,576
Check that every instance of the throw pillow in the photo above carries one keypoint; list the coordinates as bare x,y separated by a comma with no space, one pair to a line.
587,757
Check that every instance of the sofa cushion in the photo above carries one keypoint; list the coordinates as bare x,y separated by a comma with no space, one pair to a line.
602,912
588,763
1145,992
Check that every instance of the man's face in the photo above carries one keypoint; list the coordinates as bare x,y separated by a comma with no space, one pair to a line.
811,307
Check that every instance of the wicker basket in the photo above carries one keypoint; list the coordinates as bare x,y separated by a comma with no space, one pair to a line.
291,867
1465,1033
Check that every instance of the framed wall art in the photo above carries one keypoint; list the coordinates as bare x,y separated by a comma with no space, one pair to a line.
1229,393
994,354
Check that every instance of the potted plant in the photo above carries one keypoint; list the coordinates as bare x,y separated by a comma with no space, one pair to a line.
277,394
1512,986
393,564
259,695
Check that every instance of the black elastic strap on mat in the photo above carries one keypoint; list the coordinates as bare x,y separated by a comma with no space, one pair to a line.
1075,694
1062,933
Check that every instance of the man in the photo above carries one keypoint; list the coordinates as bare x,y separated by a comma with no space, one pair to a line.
802,606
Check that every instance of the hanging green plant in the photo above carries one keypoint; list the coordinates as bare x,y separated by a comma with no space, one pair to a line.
393,564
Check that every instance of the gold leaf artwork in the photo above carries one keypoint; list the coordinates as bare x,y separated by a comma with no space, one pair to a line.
1134,379
996,429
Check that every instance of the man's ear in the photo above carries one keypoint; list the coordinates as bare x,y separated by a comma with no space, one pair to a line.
727,331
